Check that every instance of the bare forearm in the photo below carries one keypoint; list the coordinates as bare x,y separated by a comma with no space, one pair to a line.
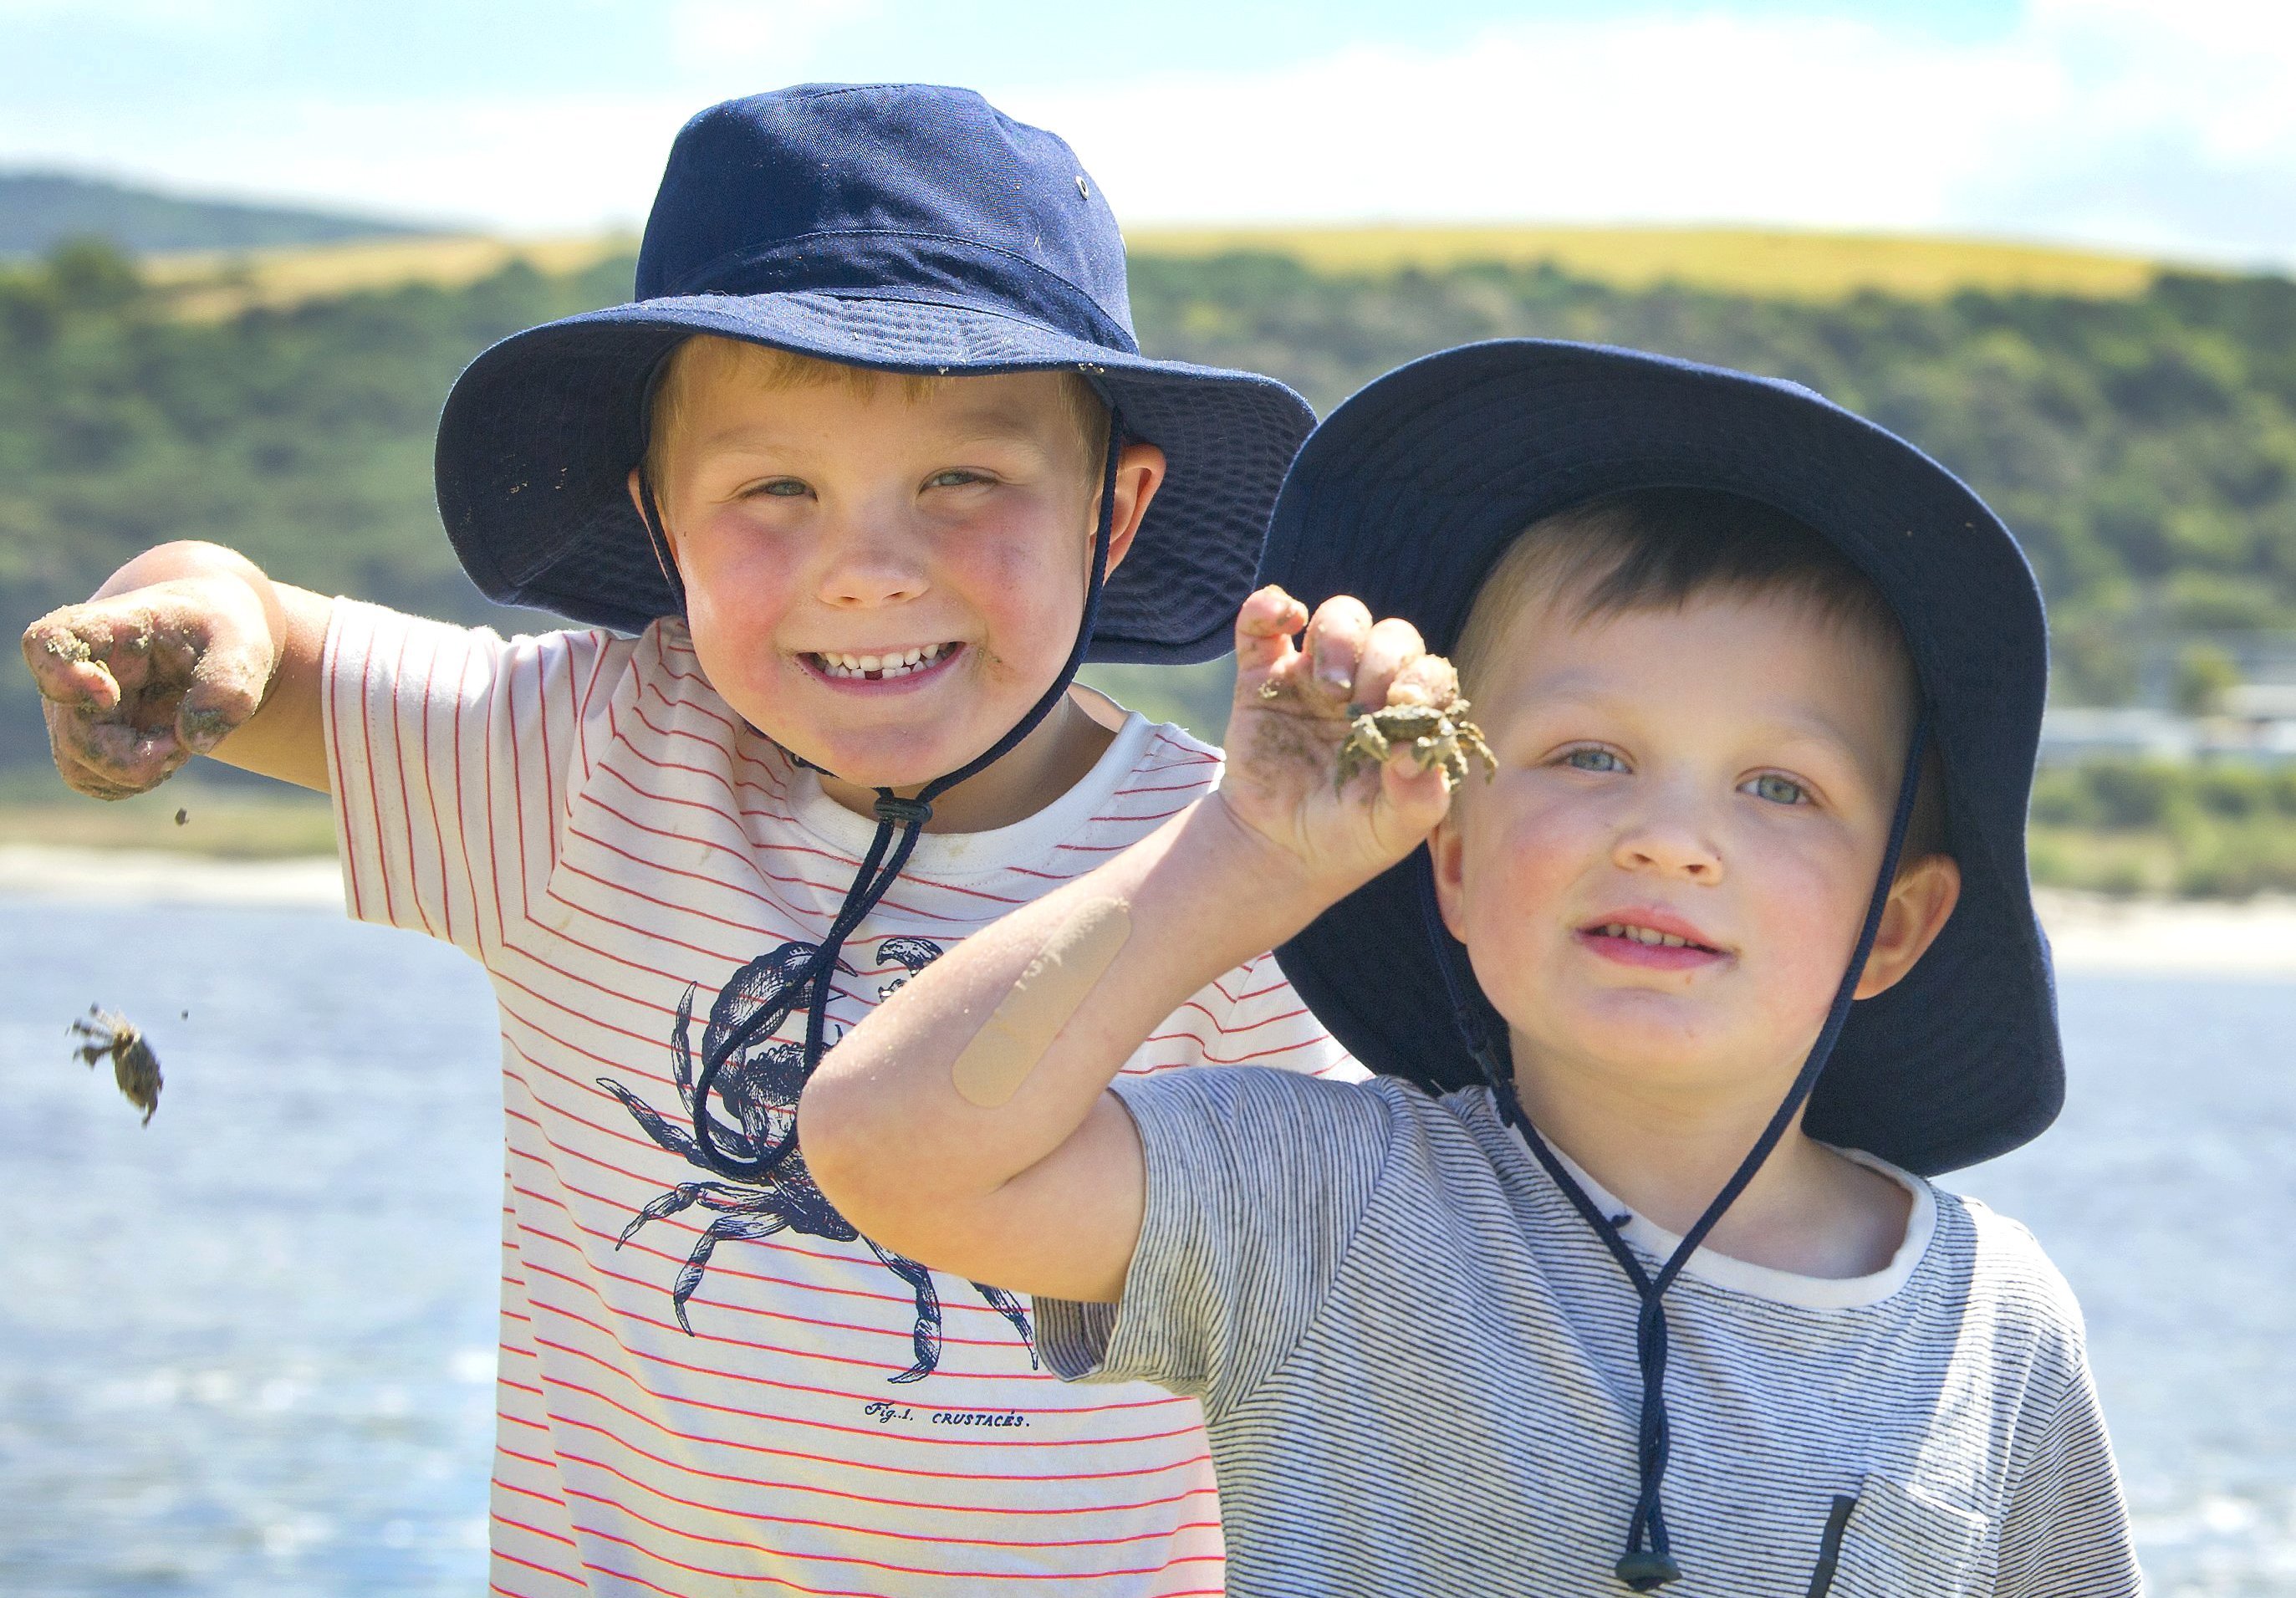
185,558
968,1124
907,1143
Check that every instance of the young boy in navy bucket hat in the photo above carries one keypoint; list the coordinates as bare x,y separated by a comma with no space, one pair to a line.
869,467
1623,1275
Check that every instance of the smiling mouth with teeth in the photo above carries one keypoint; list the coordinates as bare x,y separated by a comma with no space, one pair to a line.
878,667
1649,937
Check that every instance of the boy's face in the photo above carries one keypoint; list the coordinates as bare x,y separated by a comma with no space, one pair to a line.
1664,883
885,583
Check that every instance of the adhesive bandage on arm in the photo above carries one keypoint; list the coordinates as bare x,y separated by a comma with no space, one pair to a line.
1049,989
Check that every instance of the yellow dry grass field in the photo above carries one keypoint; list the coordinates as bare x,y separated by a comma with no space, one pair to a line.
209,284
1796,265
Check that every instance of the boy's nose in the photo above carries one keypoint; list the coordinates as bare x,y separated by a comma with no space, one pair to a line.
863,566
1669,845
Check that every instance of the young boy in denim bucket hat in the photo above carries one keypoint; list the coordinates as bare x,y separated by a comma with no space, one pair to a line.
1623,1275
868,468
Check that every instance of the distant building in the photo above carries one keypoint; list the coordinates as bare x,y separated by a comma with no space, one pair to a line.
2253,720
2073,735
2259,723
2261,718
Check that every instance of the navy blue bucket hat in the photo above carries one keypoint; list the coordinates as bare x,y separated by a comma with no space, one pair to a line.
1407,494
896,226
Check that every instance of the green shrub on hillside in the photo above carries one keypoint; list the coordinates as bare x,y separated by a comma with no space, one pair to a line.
2144,450
301,436
2129,826
2140,448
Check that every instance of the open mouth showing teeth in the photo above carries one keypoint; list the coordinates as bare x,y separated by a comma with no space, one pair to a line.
881,668
1649,937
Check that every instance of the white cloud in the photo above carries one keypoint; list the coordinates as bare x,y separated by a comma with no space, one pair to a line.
525,162
2158,124
557,165
1640,118
2135,122
777,37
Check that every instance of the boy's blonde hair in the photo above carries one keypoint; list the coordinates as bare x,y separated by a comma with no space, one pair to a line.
705,358
1656,549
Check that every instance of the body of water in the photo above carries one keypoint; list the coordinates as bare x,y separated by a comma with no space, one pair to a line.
248,1349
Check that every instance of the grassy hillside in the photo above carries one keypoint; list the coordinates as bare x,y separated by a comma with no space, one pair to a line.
2141,443
209,285
1769,262
2142,449
1753,261
2136,826
301,436
40,210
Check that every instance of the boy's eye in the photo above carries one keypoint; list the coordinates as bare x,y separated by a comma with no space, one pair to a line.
956,477
783,488
1594,760
1778,790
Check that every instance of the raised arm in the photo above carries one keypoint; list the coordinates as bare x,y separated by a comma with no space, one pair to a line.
967,1123
187,649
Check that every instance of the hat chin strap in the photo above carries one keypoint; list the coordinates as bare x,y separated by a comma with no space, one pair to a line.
1648,1562
899,823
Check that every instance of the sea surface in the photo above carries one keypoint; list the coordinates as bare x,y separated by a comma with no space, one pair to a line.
248,1349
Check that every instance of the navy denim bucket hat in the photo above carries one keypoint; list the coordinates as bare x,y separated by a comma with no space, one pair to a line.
898,226
1408,493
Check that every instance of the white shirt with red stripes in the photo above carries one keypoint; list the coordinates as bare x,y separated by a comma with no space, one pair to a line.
711,1387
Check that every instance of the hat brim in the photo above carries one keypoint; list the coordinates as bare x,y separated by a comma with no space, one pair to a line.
1407,494
540,432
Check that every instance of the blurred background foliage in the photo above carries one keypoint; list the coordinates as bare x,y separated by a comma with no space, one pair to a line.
2142,449
2142,446
2219,830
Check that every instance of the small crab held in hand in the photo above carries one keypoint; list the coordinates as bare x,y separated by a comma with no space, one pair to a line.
134,1066
1438,734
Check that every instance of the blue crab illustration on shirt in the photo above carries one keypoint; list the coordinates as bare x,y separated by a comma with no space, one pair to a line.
761,1085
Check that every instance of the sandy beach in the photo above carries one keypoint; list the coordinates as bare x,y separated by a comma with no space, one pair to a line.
2089,932
154,876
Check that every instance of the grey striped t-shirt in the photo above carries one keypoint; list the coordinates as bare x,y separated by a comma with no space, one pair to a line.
1417,1366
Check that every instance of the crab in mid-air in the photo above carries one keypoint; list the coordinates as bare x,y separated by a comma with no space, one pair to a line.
134,1066
1435,734
760,1085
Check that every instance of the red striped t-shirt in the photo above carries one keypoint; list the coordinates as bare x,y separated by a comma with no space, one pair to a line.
710,1387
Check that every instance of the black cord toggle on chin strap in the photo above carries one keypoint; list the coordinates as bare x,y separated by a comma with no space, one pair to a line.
1648,1562
881,867
900,812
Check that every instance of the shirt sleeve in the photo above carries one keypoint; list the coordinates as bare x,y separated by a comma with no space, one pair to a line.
454,754
2065,1532
1257,1183
1250,1016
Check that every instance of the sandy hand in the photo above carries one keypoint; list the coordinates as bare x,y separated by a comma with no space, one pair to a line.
1293,705
134,684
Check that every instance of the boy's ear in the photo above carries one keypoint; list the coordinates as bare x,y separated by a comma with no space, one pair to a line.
637,504
1446,851
1139,473
1921,901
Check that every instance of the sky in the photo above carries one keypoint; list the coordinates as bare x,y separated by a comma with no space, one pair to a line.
2163,126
